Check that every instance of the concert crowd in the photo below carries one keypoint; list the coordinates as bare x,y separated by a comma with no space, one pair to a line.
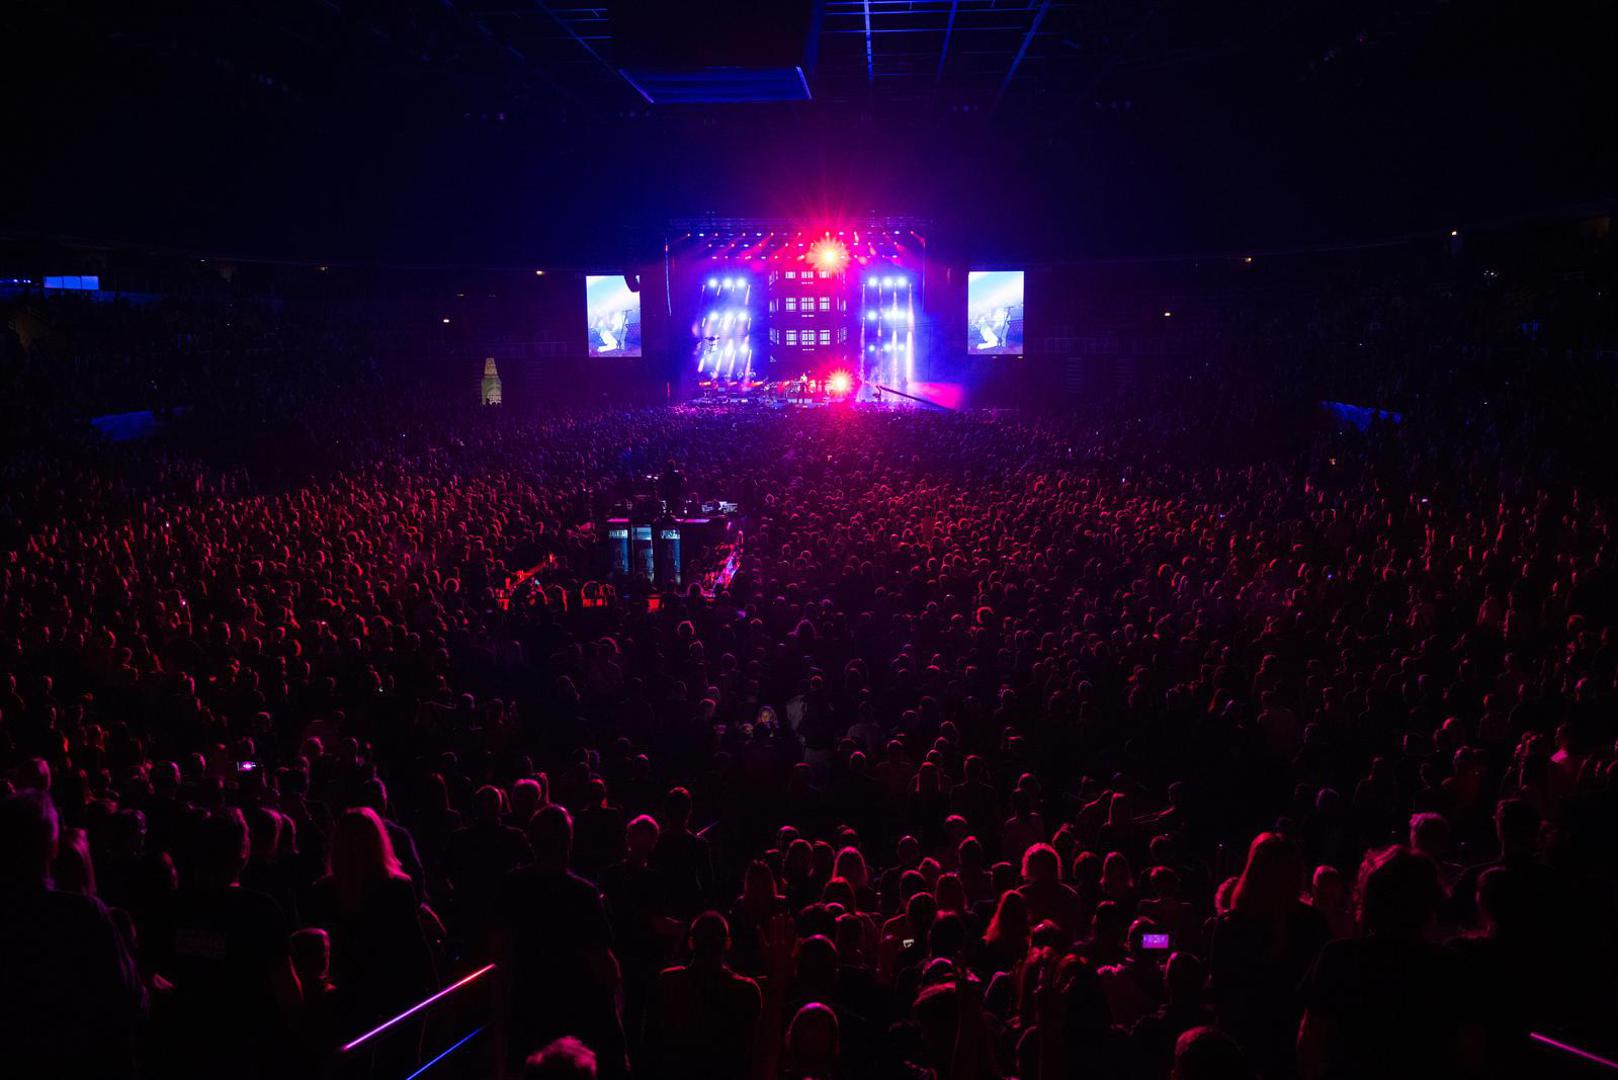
1019,746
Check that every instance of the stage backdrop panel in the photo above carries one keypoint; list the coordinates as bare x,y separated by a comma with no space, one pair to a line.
612,312
994,312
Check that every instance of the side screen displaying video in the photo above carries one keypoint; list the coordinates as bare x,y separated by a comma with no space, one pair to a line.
994,312
613,314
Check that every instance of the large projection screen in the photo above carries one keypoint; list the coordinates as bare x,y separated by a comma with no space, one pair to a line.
613,316
994,312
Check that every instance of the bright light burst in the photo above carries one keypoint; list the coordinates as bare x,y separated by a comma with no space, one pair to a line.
828,255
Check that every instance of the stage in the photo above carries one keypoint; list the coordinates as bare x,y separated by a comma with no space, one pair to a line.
814,394
810,312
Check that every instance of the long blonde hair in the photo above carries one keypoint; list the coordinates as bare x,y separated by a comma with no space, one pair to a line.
361,857
1272,880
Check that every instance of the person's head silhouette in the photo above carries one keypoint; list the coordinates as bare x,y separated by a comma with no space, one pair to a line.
550,831
1400,894
565,1059
1207,1053
29,834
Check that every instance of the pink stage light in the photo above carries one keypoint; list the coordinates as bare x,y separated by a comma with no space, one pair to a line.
416,1008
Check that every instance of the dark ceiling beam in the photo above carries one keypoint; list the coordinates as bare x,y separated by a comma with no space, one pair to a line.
1022,50
567,27
811,47
854,10
878,32
481,28
894,7
1116,59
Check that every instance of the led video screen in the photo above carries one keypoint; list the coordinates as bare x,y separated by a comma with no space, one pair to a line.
994,312
613,314
724,326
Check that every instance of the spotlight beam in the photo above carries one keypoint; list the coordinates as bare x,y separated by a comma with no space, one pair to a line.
1022,50
949,31
870,57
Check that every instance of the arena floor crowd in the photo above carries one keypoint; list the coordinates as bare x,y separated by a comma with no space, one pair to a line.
1017,747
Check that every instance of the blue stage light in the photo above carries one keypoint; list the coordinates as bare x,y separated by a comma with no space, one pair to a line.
870,315
887,283
713,283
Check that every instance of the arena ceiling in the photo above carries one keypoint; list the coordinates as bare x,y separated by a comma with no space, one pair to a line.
516,55
459,126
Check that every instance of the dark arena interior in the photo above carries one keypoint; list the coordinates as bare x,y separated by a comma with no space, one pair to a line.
813,539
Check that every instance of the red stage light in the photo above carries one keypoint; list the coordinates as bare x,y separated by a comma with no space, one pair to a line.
839,383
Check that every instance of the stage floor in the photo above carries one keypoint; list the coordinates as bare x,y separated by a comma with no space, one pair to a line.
945,396
887,401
